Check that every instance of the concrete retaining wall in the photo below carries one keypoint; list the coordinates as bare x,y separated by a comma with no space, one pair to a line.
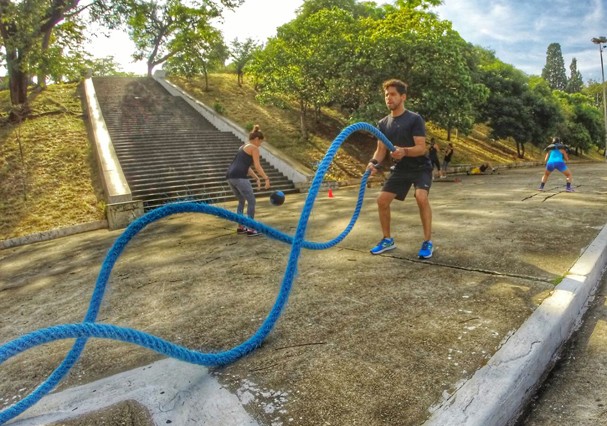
52,234
121,209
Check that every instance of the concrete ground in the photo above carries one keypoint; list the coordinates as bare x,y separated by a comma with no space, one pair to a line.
364,340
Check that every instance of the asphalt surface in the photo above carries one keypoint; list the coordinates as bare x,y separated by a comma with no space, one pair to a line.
364,339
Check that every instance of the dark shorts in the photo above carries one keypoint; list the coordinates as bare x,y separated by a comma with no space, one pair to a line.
435,163
399,182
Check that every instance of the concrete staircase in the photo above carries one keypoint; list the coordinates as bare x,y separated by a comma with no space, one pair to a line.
168,151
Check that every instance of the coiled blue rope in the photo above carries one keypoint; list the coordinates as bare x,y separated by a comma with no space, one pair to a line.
88,328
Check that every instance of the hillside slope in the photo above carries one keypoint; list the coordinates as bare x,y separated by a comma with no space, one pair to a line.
48,174
281,125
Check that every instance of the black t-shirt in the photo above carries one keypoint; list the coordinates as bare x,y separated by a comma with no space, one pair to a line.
400,131
448,154
433,152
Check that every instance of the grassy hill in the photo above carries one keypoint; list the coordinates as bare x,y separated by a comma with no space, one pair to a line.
281,126
48,173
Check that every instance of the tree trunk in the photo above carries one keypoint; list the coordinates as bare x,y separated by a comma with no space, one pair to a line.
518,150
17,79
302,118
43,71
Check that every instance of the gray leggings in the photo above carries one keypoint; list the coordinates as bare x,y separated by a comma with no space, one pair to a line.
243,190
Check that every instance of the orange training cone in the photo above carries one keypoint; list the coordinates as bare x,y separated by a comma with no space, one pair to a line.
330,193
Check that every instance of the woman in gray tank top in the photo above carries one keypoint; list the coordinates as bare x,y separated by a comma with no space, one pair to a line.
238,177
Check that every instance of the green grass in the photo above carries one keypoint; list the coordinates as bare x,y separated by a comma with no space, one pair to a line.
48,175
55,183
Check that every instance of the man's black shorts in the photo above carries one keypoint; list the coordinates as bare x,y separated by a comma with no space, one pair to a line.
399,182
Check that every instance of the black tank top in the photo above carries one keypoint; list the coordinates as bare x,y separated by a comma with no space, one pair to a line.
239,168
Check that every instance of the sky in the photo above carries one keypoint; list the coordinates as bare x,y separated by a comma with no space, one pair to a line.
518,31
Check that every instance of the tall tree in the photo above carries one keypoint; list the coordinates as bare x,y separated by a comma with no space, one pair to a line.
197,54
355,8
582,124
554,70
575,83
301,63
436,62
156,27
242,53
105,66
26,29
517,108
428,54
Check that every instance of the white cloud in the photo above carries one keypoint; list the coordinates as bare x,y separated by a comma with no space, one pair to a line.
520,31
258,19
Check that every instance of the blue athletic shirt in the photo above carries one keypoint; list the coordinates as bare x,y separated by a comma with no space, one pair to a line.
556,156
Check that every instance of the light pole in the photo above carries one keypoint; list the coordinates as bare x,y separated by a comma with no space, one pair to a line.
600,41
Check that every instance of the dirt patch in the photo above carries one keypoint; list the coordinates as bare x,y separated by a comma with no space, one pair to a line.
126,413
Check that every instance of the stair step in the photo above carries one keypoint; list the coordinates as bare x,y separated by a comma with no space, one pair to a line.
195,190
150,203
168,151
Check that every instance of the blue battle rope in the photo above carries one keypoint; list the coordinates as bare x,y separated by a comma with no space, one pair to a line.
88,328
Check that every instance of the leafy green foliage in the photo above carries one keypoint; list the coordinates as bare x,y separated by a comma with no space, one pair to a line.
179,30
105,66
302,62
515,109
554,70
436,62
241,53
197,53
582,125
340,55
575,83
27,33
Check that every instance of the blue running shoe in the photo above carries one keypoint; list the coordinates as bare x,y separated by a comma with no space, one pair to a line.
384,245
426,251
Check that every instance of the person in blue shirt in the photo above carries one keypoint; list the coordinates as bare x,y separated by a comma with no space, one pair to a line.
556,156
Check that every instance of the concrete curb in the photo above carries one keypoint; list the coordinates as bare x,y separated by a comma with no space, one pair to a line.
172,391
498,393
53,233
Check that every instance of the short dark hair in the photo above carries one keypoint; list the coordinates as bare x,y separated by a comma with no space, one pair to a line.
399,85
